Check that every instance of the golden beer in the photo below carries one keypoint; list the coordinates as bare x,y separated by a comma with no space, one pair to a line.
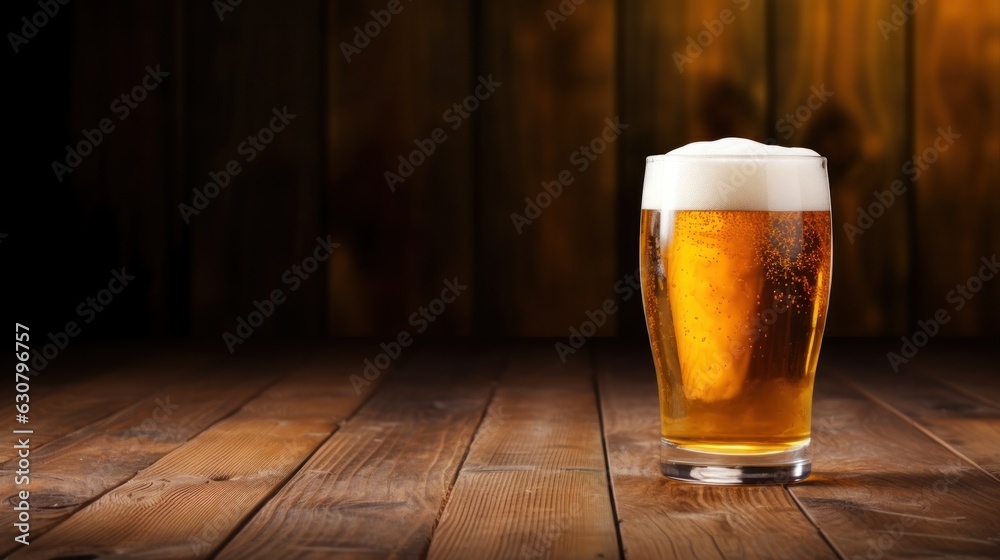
735,302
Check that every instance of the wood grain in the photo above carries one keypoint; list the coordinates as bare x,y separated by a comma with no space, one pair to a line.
375,488
80,466
859,122
661,518
444,461
956,84
534,484
398,88
187,503
558,89
882,487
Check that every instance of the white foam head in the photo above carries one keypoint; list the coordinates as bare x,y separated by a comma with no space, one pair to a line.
736,174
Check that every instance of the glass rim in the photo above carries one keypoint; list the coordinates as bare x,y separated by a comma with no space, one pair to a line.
737,157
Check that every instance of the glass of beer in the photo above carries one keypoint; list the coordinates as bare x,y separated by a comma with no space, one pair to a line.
735,256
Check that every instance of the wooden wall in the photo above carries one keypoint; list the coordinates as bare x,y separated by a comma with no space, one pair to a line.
894,84
956,83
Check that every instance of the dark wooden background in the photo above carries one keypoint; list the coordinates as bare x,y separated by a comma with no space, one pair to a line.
324,175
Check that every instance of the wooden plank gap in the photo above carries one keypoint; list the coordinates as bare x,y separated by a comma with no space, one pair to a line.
591,357
823,535
501,368
354,497
86,465
465,456
261,446
274,491
340,422
533,483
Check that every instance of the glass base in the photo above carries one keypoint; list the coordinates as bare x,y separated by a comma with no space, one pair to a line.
781,467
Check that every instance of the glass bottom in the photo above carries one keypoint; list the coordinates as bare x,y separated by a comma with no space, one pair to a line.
781,467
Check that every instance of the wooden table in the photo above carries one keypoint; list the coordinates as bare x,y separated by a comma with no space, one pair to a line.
470,450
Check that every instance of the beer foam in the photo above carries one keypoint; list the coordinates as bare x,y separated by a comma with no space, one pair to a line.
736,174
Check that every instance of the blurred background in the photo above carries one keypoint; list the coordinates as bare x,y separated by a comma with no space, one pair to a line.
524,93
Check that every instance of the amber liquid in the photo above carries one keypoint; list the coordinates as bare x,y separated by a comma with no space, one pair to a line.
735,303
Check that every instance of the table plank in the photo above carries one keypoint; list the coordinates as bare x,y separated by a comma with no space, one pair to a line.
375,488
60,408
881,487
74,469
968,365
967,426
534,484
971,368
662,518
945,390
186,504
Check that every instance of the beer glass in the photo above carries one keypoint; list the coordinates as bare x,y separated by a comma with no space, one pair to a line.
735,257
